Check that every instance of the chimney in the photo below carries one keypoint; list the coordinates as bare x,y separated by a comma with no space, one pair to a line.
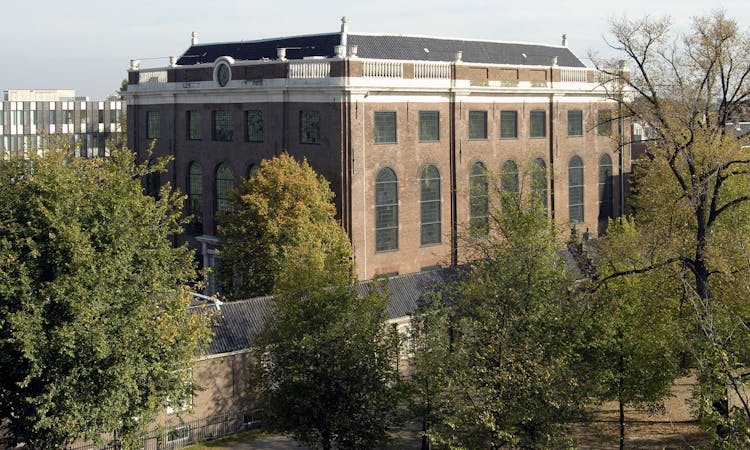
194,38
344,30
565,40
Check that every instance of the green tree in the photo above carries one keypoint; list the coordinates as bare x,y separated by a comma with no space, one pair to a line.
514,360
640,340
282,206
95,332
693,189
326,371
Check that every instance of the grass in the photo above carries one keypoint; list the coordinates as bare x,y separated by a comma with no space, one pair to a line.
239,437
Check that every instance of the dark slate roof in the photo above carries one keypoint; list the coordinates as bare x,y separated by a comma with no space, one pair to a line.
237,324
387,47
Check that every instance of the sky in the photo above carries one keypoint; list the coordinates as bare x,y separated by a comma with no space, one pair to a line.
87,45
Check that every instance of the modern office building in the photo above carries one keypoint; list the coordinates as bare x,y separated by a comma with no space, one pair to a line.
405,128
28,116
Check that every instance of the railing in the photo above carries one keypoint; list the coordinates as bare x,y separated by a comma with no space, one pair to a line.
318,69
383,69
435,70
574,75
188,432
152,76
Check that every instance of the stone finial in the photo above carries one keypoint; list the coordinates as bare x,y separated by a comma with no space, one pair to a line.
194,38
135,64
281,53
340,51
564,40
554,60
459,56
344,30
172,61
353,51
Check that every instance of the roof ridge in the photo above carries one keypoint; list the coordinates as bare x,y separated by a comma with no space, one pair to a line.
448,38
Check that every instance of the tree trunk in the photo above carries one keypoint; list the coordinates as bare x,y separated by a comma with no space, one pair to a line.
425,438
620,388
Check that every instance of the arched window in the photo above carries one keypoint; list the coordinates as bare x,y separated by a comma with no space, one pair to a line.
429,205
539,181
224,182
509,180
575,189
195,195
251,169
386,210
478,200
605,187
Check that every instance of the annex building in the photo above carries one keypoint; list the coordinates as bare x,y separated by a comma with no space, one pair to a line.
405,128
29,116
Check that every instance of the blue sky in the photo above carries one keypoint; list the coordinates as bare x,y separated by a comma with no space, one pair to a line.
87,45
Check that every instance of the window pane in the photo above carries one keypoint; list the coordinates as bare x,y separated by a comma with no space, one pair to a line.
575,123
429,126
575,189
223,125
254,124
385,127
153,128
538,128
477,124
309,127
386,210
508,124
224,182
478,200
195,195
604,123
430,205
605,187
194,125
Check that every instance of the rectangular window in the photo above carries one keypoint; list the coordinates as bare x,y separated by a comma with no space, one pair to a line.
538,126
477,124
429,126
254,126
309,127
194,125
153,124
385,127
222,125
604,122
508,124
101,116
575,123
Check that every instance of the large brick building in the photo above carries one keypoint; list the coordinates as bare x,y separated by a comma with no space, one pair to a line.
403,127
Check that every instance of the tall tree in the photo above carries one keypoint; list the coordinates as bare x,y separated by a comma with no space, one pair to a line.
639,342
688,91
513,365
284,205
327,372
95,332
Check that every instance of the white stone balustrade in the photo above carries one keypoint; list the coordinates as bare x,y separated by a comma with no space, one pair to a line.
574,75
434,70
152,76
307,69
383,69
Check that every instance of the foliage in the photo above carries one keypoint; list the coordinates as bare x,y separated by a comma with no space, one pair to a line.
95,332
640,340
513,372
283,206
326,371
692,187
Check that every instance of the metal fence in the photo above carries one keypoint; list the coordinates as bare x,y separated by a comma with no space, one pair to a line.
186,432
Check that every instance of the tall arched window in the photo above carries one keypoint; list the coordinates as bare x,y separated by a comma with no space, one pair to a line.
575,189
539,181
386,210
478,200
224,182
195,195
429,205
605,187
509,180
